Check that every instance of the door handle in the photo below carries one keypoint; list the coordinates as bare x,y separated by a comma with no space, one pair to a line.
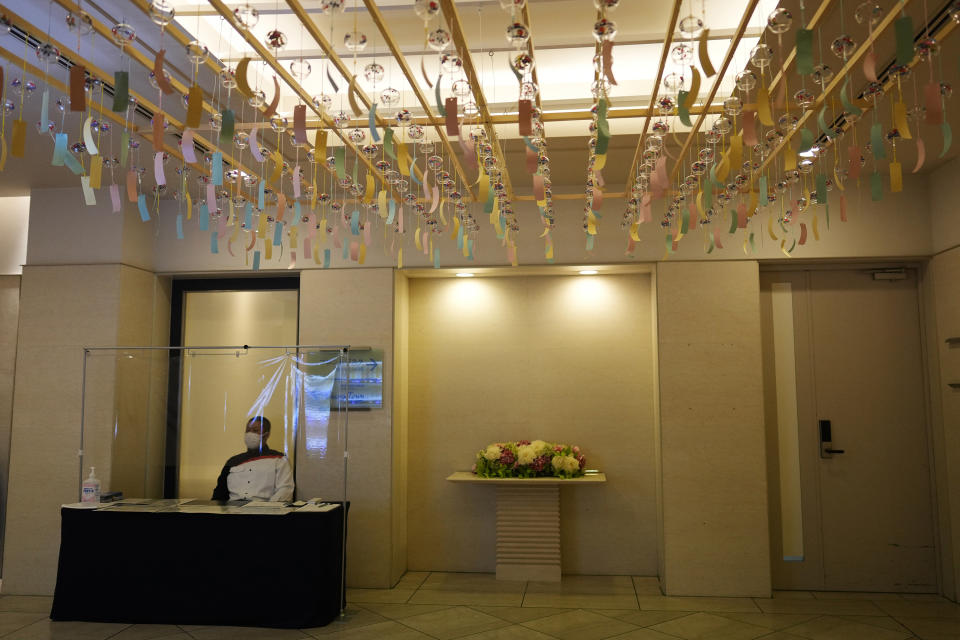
826,440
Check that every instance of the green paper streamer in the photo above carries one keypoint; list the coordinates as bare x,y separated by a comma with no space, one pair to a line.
248,216
762,186
822,122
947,138
373,122
685,221
436,91
460,237
804,51
682,111
603,128
393,210
806,140
179,226
226,126
339,161
904,33
589,243
710,250
326,258
346,251
733,221
488,205
876,141
214,248
124,148
436,258
708,194
669,240
753,249
876,187
256,261
277,233
59,150
121,91
821,189
848,106
388,146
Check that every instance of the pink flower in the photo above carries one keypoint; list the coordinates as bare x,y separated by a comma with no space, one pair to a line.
507,457
582,461
576,449
474,469
558,447
520,443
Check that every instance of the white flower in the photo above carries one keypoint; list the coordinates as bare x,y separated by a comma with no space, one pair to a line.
565,464
539,446
492,453
526,453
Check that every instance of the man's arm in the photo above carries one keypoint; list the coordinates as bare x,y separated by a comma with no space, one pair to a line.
283,482
221,492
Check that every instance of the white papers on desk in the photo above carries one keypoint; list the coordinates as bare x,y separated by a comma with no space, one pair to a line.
317,507
82,505
258,504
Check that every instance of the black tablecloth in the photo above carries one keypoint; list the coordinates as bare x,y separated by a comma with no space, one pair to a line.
197,568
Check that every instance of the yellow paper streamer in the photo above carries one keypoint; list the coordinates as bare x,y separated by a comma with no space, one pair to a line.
836,180
363,254
735,152
763,107
900,120
267,250
896,177
400,258
416,239
770,228
789,158
634,235
320,145
368,196
262,226
189,204
277,167
96,171
816,231
694,88
456,227
241,77
723,168
600,162
382,203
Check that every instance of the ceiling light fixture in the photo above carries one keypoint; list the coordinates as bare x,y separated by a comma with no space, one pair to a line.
588,272
464,275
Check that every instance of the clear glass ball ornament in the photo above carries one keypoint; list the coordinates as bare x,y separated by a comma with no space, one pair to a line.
355,41
804,99
357,135
162,12
604,30
523,63
278,123
152,79
873,90
228,78
257,99
374,72
787,122
341,120
216,122
529,90
50,128
47,53
512,5
773,136
659,129
682,53
460,88
197,52
746,80
435,162
329,7
81,24
122,34
869,13
926,48
712,136
415,132
370,150
246,16
390,97
426,9
706,154
439,39
518,35
691,26
842,46
666,105
674,82
450,63
404,117
779,21
241,139
733,106
470,108
946,89
300,69
276,40
723,125
761,55
322,101
822,75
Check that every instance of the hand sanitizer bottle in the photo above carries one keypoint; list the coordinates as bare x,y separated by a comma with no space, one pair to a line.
91,488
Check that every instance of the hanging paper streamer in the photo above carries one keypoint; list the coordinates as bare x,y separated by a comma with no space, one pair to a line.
735,152
694,88
78,96
896,177
704,53
763,107
89,198
296,182
822,123
355,222
241,77
272,107
255,146
682,112
326,258
132,186
159,75
45,108
781,100
227,126
921,155
88,140
876,186
806,140
216,168
932,100
525,108
194,106
393,211
339,161
900,120
870,67
741,216
903,27
248,216
603,130
186,147
762,186
256,260
372,122
947,138
277,234
158,174
18,143
203,217
179,226
848,106
749,128
388,144
261,195
855,162
876,141
436,94
300,124
214,244
821,183
158,127
804,51
803,234
453,127
606,52
211,198
333,84
96,171
142,207
121,91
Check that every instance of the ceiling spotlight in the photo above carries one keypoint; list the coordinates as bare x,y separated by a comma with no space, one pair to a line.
464,275
588,272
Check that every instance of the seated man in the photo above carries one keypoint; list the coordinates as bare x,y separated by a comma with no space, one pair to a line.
258,474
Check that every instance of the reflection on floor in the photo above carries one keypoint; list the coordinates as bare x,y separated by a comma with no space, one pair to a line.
443,606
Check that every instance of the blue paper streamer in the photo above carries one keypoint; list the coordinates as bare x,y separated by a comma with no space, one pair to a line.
392,205
470,248
261,195
326,258
346,251
59,150
460,237
203,217
256,261
590,242
296,211
355,222
179,226
214,248
216,169
413,174
142,206
277,233
373,122
248,216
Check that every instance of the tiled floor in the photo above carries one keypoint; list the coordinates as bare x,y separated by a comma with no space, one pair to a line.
444,606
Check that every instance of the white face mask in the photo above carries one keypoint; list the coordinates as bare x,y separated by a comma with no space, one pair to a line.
252,440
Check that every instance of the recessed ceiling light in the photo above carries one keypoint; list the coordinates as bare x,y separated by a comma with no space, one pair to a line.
588,272
464,275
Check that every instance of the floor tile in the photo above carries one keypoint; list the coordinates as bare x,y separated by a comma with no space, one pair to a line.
579,601
708,626
772,621
10,621
646,586
401,611
33,604
389,630
685,603
470,582
354,618
244,633
454,622
516,615
49,630
412,580
923,597
836,628
884,622
643,634
792,595
822,607
782,635
932,628
854,595
579,625
150,632
360,596
487,598
913,609
586,585
642,618
513,632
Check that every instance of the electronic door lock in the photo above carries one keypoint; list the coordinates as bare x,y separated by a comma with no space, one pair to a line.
826,440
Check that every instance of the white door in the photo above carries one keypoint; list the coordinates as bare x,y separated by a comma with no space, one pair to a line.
867,505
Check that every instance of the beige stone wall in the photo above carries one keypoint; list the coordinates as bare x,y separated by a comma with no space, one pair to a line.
356,307
9,317
715,527
560,358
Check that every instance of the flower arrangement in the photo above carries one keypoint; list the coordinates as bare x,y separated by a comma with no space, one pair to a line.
529,459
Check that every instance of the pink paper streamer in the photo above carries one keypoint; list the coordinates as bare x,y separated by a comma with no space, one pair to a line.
436,198
222,227
296,181
307,249
468,154
597,199
803,234
931,93
741,216
426,244
539,192
781,100
211,198
532,160
645,214
186,146
367,226
749,128
869,68
853,168
336,238
293,259
158,168
598,177
115,197
354,250
255,146
716,238
921,154
607,52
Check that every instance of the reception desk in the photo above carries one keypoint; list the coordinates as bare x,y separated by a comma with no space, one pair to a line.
175,567
528,523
